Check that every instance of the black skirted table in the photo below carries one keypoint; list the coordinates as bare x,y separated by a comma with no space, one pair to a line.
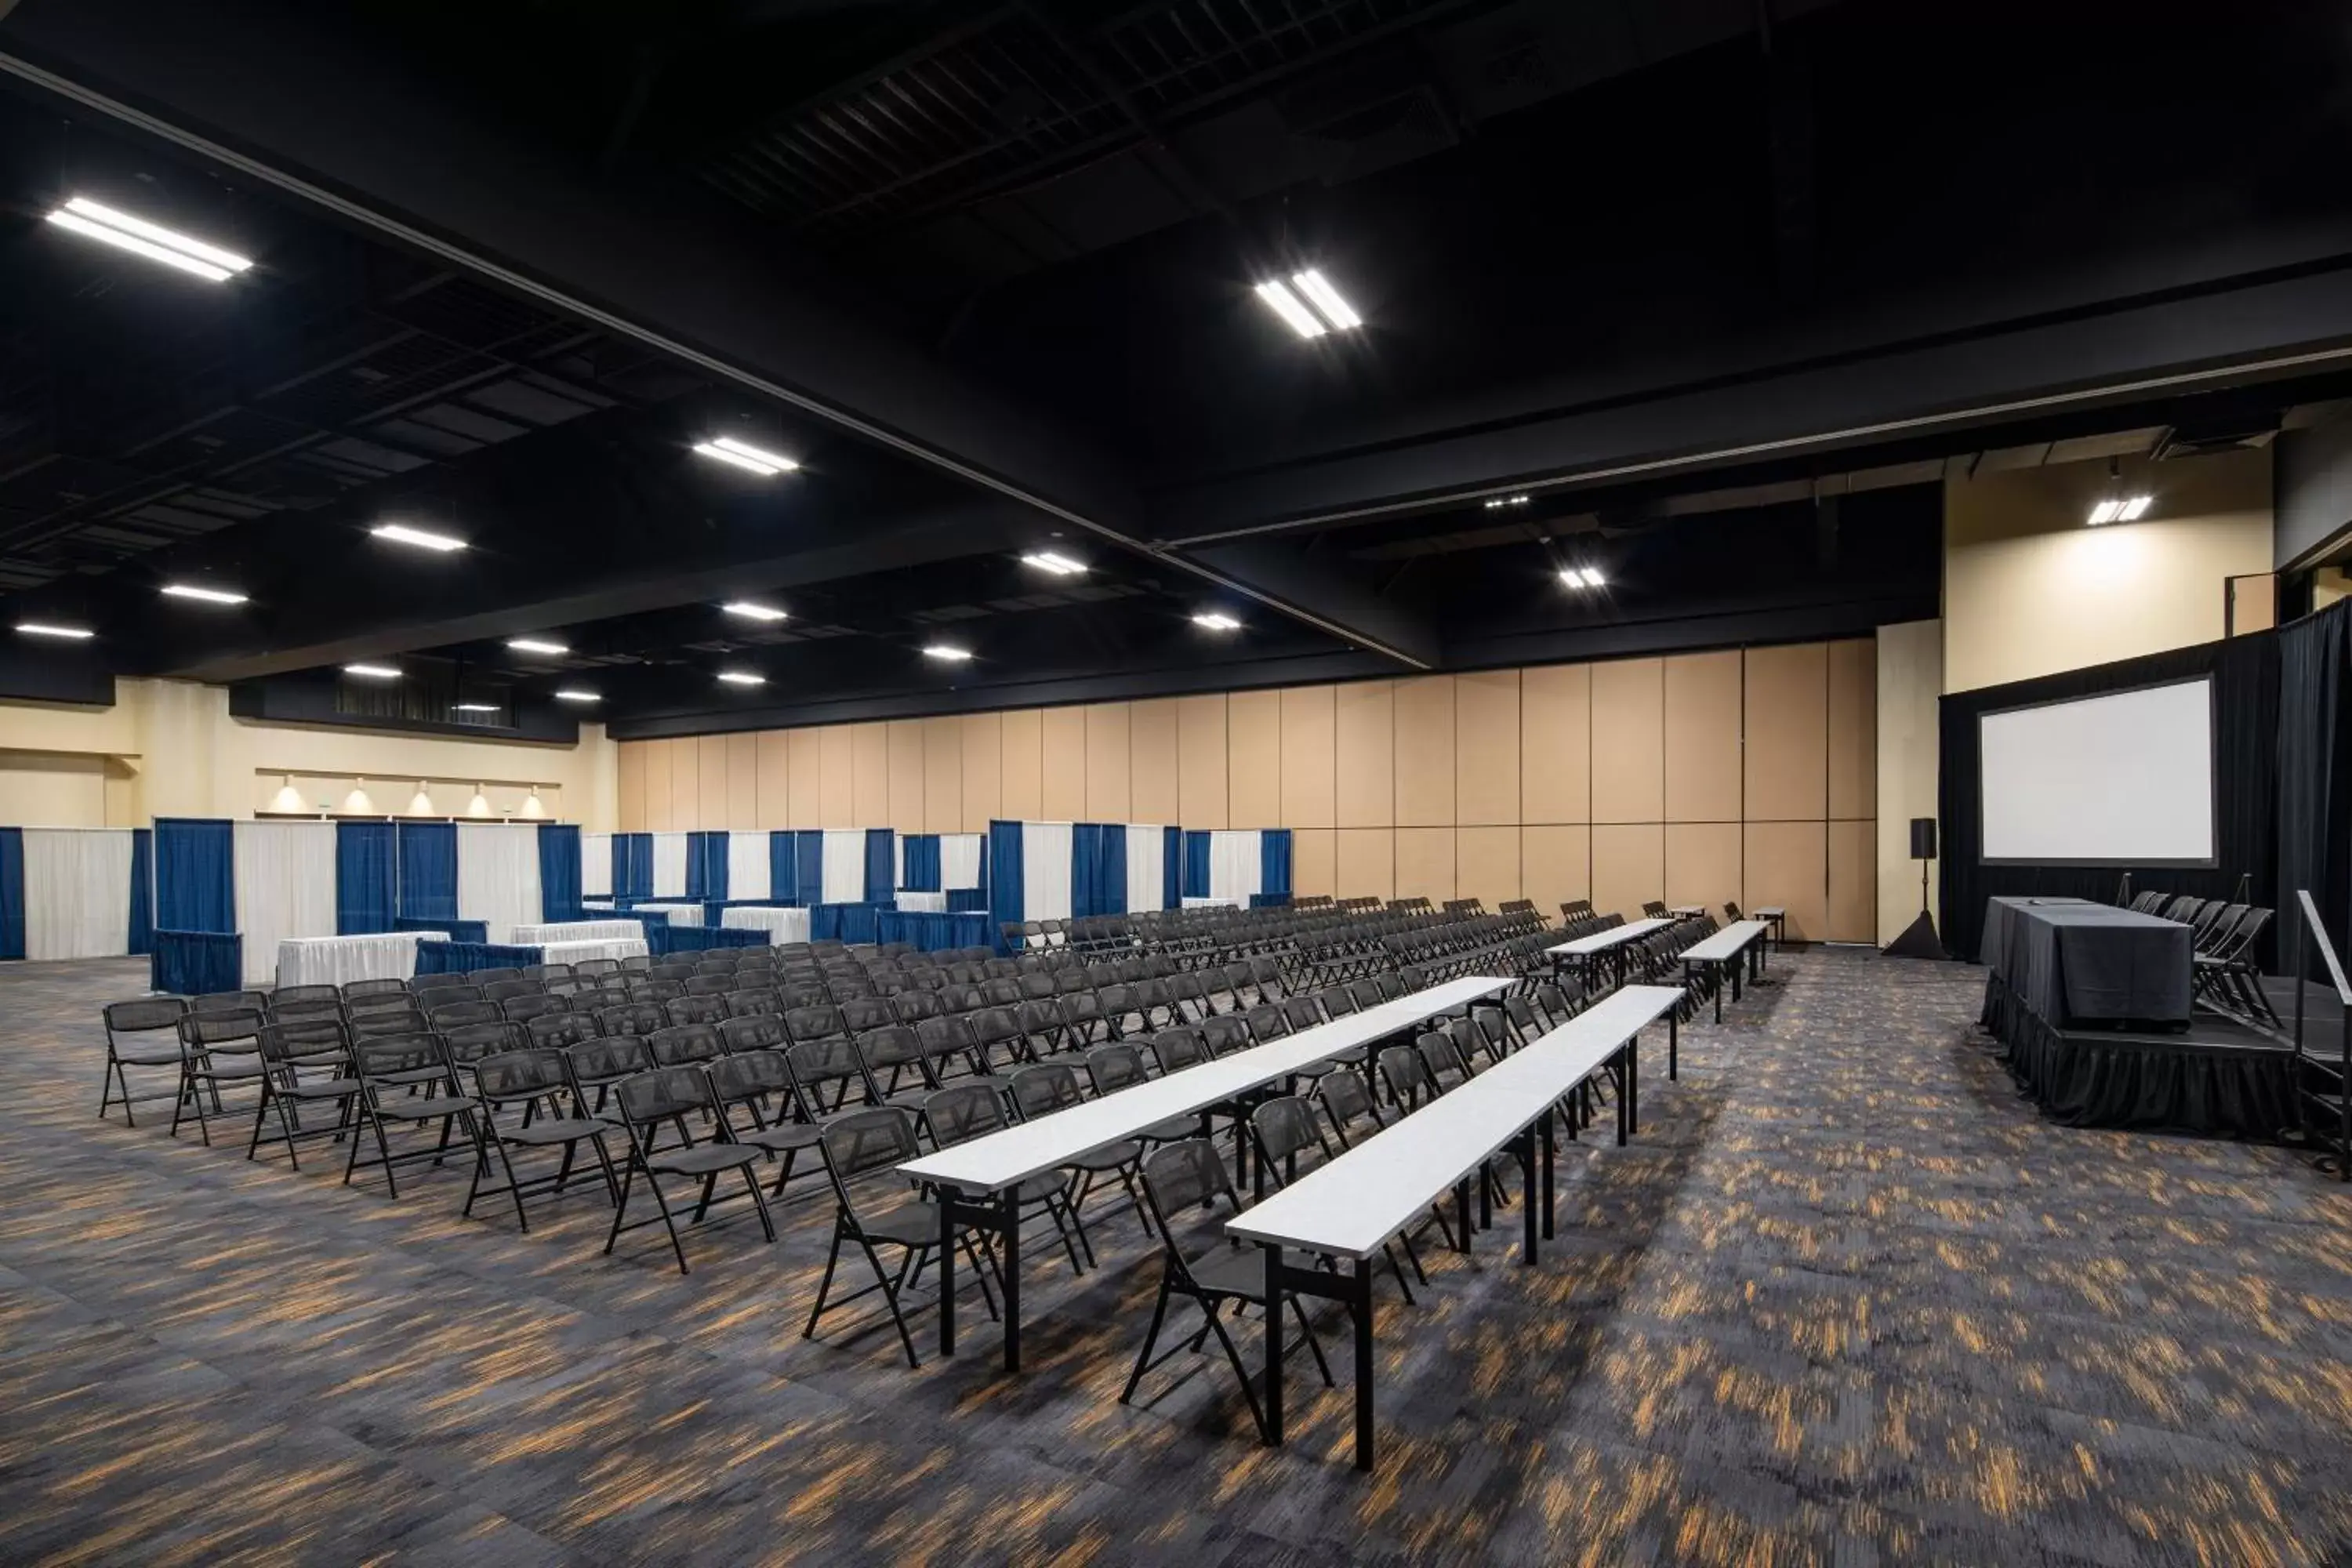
2070,962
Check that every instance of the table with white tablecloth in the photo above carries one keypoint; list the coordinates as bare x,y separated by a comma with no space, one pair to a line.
335,960
1213,903
601,947
679,914
578,931
783,925
925,903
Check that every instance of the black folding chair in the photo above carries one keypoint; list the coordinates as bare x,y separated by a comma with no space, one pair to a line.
862,1151
128,1025
534,1085
669,1096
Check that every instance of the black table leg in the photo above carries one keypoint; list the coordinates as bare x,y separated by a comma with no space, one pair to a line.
947,1270
1549,1145
1633,1084
1363,1305
1718,992
1273,1343
1462,1214
1529,1220
1012,1202
1674,1046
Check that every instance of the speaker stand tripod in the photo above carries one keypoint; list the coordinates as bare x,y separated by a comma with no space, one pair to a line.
1918,939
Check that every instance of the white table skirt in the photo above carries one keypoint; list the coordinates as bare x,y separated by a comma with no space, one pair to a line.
578,931
577,951
1213,903
333,960
928,903
781,925
679,914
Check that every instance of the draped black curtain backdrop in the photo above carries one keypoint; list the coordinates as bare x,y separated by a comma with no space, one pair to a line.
2245,672
2315,768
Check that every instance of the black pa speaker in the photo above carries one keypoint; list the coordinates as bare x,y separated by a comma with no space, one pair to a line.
1923,839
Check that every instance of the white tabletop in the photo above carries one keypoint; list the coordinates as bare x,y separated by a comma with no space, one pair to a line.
1349,1207
1001,1158
679,914
1725,943
1213,903
783,925
607,947
1602,941
335,960
1772,912
928,903
578,931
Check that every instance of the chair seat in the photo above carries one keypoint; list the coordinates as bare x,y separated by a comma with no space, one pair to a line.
151,1056
909,1224
320,1089
783,1136
424,1108
555,1130
230,1068
1231,1270
702,1159
1175,1130
1039,1187
1109,1157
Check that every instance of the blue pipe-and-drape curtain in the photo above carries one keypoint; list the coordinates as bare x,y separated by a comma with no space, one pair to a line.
11,892
783,868
195,874
367,856
1172,870
1196,865
1274,863
143,892
633,866
428,870
1007,896
881,866
706,865
808,876
559,872
1098,868
921,872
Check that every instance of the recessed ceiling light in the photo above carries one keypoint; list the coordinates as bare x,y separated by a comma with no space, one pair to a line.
752,612
477,708
1592,578
2134,508
46,629
1496,503
1216,621
373,671
1326,299
742,678
744,456
533,645
947,652
400,534
1286,304
152,240
208,596
2105,511
1059,565
574,694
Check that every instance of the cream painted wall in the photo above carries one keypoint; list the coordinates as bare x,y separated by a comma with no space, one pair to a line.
1910,678
2030,590
169,748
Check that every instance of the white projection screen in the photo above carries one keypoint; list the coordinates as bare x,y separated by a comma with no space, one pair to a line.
2122,779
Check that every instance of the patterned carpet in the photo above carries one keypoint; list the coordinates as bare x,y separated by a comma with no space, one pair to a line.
1845,1301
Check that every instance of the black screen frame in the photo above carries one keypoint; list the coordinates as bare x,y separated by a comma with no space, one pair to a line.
2212,780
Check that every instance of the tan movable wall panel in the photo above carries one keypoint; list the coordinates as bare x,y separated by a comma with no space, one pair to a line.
632,786
869,752
1788,733
943,776
1253,760
1367,861
1424,756
807,779
1309,753
1110,744
685,784
1364,726
1853,730
1064,767
743,782
774,809
839,744
1556,745
905,737
1200,760
710,763
1314,862
1153,782
1629,746
1702,739
1425,864
1486,753
1629,864
983,770
1486,864
1703,863
1854,881
1555,865
1788,865
1024,766
659,816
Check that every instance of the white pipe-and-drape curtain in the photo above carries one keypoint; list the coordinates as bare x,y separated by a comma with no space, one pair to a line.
959,856
1236,865
747,866
845,865
595,865
498,876
77,892
669,865
1045,868
285,874
1147,867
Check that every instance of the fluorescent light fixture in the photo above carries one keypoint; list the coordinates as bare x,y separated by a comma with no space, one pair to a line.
2134,508
1059,565
1216,621
1326,299
1592,578
45,629
208,595
2105,511
742,678
1580,577
744,456
575,694
400,534
373,671
1496,503
1285,305
152,240
752,612
947,652
533,645
477,708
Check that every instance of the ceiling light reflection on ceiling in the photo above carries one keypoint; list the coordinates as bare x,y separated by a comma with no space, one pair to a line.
574,694
533,645
371,671
1216,621
1580,577
1496,503
744,455
1285,305
947,653
46,629
1326,299
206,595
752,612
94,221
742,678
1059,565
477,708
400,534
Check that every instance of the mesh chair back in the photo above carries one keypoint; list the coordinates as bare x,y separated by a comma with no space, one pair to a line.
500,990
229,1002
589,968
1176,1049
683,1043
1406,1073
1115,1067
238,1029
892,1045
752,1032
607,1059
750,1075
863,1013
865,1140
1267,1021
1285,1126
560,1029
309,1039
535,1073
713,985
662,1094
287,996
387,1021
805,994
743,1004
940,1038
449,1015
823,1022
1045,1088
523,1009
966,1110
396,1054
915,1006
695,1009
831,1063
1301,1012
1184,1175
631,1018
1223,1033
472,1042
356,989
144,1013
1345,1101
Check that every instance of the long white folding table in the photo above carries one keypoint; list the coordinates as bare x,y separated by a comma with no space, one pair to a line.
1729,953
679,914
1777,919
1351,1206
338,960
1609,944
783,925
991,1169
614,948
578,931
